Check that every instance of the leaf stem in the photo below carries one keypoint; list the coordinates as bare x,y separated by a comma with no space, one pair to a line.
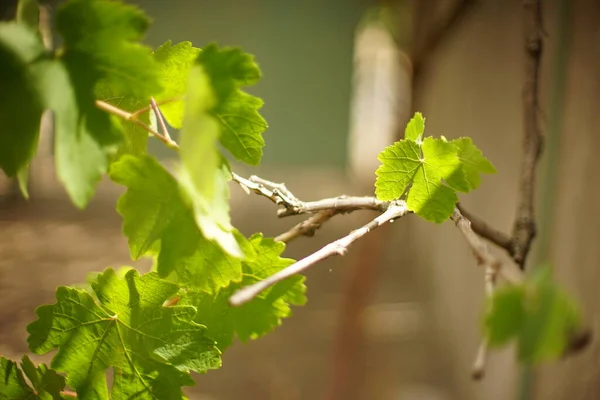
160,118
127,116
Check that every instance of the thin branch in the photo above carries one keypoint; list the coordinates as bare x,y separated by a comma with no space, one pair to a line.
308,227
396,210
135,115
484,230
433,37
280,195
160,119
129,117
484,257
341,204
478,370
524,228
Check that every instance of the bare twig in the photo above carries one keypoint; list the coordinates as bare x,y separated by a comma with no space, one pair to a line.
341,204
484,230
484,257
524,227
308,227
478,370
396,210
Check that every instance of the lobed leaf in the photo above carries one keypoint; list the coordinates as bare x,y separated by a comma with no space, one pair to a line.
175,62
21,105
262,314
429,172
237,113
42,384
156,219
203,175
150,347
538,315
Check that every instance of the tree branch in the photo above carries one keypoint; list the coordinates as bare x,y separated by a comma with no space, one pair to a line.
484,230
524,227
308,227
395,210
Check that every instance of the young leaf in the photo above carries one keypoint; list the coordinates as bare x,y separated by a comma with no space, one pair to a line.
44,383
20,103
236,111
415,128
262,314
153,211
539,315
175,62
150,347
473,161
203,175
433,171
430,171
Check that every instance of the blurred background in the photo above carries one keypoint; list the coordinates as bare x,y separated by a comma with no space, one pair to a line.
399,316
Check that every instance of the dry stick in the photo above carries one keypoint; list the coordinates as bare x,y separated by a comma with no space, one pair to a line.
396,210
524,226
341,204
484,230
308,227
493,267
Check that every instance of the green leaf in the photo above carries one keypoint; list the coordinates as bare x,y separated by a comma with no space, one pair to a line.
44,383
84,136
28,13
103,34
150,347
473,161
415,128
432,170
504,322
102,58
236,111
262,314
203,175
153,211
175,62
539,315
20,103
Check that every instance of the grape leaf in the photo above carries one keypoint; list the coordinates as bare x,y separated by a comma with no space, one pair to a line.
44,383
473,161
104,34
236,111
431,168
175,62
262,314
429,171
203,175
100,51
151,348
20,104
415,128
153,211
539,315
